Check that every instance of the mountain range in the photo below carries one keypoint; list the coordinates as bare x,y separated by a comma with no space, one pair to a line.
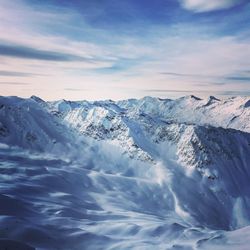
144,173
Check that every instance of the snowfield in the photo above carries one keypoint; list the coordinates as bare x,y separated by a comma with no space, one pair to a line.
135,174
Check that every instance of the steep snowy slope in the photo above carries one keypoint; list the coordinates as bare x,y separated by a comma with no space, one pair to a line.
101,121
27,124
216,164
136,174
52,204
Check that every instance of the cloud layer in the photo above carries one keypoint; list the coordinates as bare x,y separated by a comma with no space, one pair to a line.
75,52
208,5
38,54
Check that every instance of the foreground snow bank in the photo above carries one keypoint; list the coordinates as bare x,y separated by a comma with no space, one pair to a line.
53,204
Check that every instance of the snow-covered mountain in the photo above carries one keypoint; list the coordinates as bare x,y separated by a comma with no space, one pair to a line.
27,124
135,174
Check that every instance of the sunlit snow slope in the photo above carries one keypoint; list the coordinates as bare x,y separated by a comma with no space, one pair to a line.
135,174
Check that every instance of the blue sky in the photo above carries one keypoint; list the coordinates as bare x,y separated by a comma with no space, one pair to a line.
109,49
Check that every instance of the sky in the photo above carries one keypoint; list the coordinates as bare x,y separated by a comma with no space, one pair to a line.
111,49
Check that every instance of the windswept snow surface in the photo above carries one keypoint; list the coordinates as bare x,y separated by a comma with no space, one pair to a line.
135,174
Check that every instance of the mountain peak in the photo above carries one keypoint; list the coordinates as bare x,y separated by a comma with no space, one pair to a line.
190,97
247,104
195,97
37,99
213,98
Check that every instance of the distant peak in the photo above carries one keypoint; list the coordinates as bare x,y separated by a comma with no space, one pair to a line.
165,100
213,98
192,97
195,97
63,101
247,104
36,99
148,98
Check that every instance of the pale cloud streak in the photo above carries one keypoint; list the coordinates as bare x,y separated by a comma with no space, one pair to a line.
208,5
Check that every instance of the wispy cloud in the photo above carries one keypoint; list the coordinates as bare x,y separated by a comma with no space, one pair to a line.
75,89
15,73
238,78
167,90
201,93
14,83
235,93
37,54
208,5
181,74
221,80
209,84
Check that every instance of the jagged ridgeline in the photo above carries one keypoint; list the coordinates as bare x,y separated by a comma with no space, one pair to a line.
144,173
